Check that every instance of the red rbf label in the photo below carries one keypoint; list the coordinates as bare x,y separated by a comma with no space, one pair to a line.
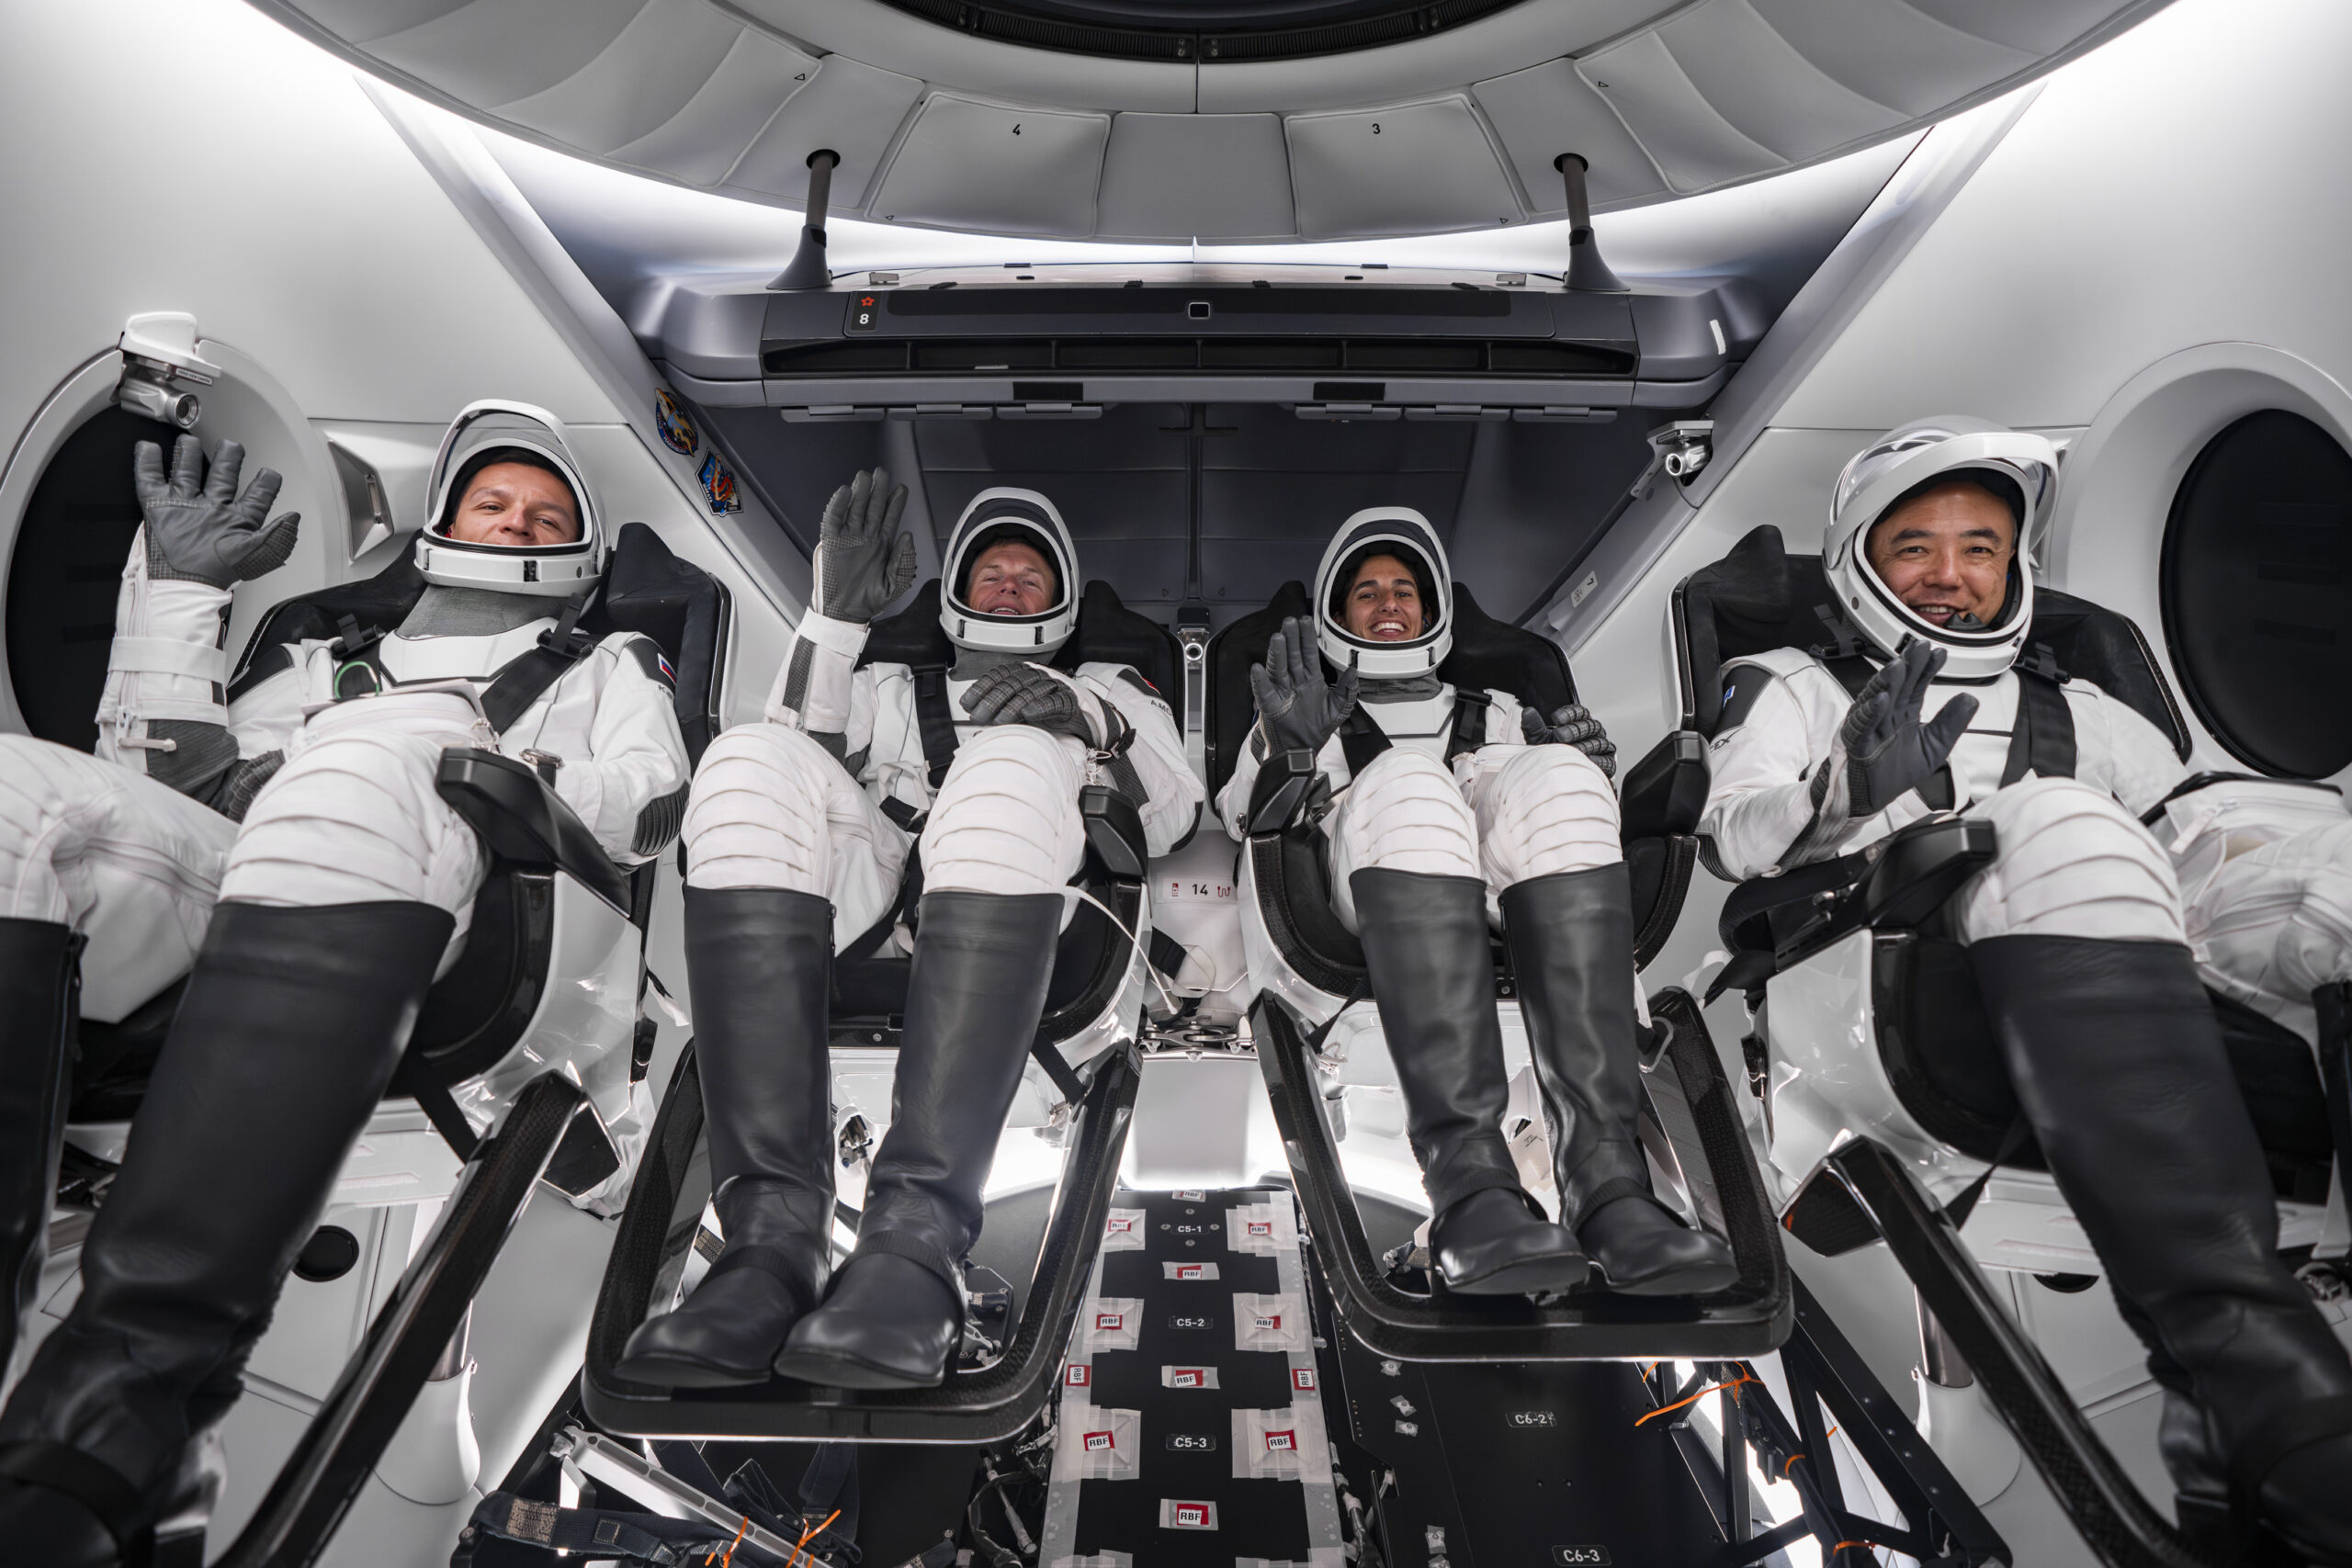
1115,1321
1282,1442
1192,1514
1098,1442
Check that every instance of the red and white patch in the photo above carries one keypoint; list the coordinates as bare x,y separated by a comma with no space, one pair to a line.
1191,1271
1098,1442
1302,1379
1109,1321
1189,1515
1078,1376
1261,1227
1282,1442
1187,1377
1266,1323
1120,1224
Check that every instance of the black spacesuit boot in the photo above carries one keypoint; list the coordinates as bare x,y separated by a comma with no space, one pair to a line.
894,1315
759,960
1572,952
39,980
285,1038
1432,972
2119,1069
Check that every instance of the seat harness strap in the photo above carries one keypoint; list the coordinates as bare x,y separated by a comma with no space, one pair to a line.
934,720
1360,739
520,681
1469,730
2042,741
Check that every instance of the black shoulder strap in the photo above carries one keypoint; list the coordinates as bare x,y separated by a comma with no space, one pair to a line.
1469,723
2042,739
1360,739
934,719
1842,654
527,677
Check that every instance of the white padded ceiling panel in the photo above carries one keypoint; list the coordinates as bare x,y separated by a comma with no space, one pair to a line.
1891,53
639,83
1694,146
1347,168
494,52
1663,97
1548,109
968,164
852,108
2037,27
1174,176
711,130
1763,87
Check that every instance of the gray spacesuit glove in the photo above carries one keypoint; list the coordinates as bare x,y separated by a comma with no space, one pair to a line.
863,558
199,529
1299,709
1572,725
1884,749
1031,694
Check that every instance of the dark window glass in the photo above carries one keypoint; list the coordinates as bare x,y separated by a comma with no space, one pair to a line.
2258,604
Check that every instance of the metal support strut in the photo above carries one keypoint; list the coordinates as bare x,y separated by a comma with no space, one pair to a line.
807,268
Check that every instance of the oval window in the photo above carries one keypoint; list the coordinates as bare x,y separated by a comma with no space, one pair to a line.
2257,593
67,571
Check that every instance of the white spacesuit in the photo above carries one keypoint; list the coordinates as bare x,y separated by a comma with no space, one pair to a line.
2075,929
280,841
1449,810
796,843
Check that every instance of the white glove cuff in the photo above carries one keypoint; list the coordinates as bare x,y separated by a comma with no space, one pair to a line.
833,635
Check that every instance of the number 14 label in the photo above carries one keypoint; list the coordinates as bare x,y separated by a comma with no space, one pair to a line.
1183,890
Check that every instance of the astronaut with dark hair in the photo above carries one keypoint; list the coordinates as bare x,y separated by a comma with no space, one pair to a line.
797,843
2087,953
1432,835
279,842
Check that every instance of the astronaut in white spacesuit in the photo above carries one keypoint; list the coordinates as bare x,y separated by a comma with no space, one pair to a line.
2078,931
796,843
282,845
1450,809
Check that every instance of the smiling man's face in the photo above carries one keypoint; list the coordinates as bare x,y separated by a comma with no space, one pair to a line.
1946,552
1384,602
1010,579
514,503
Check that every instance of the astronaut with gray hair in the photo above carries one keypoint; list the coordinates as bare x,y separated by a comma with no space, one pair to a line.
797,843
2088,936
280,841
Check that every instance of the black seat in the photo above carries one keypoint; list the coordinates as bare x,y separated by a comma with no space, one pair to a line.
477,1012
870,993
1659,797
1934,1040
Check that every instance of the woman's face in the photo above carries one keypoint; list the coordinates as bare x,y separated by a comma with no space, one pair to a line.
1383,602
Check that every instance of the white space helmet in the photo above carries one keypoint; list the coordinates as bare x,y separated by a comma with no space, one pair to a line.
476,437
1910,457
1405,533
994,516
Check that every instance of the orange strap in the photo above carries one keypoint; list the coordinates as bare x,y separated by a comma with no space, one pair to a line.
1745,1377
809,1535
728,1560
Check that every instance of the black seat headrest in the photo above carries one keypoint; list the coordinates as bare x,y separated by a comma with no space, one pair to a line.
1107,633
1759,598
1487,654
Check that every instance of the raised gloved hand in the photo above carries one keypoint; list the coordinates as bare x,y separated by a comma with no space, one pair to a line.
1032,694
1572,725
1887,749
1299,708
199,529
863,558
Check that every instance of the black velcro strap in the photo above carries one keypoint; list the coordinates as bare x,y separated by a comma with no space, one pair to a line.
1360,740
2261,1450
1469,724
908,818
97,1486
934,720
416,1078
870,941
2043,737
1066,1080
1166,954
914,1250
1965,1202
527,676
776,1264
1360,992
